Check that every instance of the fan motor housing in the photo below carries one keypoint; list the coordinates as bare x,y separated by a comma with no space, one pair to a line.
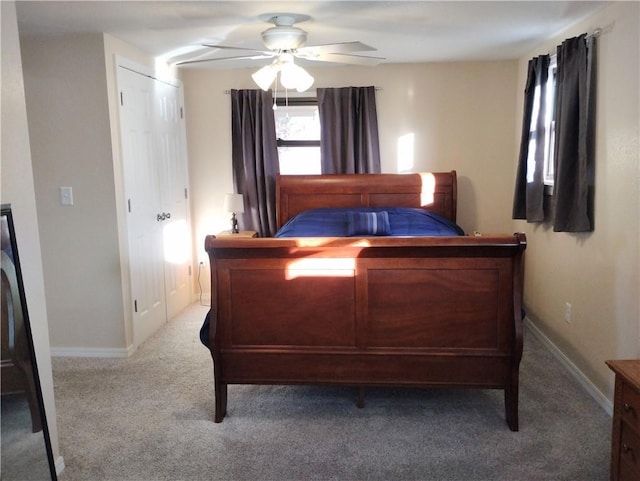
284,38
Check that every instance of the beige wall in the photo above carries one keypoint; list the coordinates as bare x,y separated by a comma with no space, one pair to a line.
66,92
439,104
597,273
18,189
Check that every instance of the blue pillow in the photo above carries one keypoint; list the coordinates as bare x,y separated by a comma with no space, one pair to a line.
368,223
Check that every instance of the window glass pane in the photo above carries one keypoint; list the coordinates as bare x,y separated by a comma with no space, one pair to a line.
297,122
549,123
549,159
299,160
536,108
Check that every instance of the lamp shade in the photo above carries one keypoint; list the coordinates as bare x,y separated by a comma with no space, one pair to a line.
234,203
265,76
294,77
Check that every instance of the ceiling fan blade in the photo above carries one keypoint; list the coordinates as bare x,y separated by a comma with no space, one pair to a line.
227,47
344,47
214,59
345,58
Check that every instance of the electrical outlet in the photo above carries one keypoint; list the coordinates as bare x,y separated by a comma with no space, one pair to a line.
567,312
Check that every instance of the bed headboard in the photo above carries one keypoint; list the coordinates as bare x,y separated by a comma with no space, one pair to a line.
432,191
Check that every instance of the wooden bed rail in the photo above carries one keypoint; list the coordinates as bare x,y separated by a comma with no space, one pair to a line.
494,241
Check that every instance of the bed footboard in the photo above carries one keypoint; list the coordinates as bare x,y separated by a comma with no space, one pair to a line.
430,312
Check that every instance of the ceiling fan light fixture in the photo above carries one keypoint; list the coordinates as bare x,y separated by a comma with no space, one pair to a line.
265,76
294,77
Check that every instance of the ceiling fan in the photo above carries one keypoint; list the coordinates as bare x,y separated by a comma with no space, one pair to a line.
284,42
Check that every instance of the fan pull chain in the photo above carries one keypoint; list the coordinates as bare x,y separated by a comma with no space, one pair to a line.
275,94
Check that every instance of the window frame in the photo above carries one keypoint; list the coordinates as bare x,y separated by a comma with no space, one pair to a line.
296,102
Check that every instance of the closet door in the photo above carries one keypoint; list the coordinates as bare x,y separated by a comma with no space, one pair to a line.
154,166
142,192
172,159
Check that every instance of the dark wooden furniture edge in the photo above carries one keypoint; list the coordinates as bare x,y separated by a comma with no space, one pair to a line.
627,376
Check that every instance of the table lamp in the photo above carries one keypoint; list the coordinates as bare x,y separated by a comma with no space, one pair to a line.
234,203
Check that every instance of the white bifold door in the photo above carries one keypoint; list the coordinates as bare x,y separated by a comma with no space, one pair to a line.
154,158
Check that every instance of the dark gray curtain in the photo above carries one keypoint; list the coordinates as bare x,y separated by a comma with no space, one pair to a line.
348,130
529,192
255,158
575,128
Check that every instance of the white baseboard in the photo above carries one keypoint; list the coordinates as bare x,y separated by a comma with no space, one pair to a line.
91,352
584,381
59,465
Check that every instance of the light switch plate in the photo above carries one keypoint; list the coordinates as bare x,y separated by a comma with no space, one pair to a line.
66,195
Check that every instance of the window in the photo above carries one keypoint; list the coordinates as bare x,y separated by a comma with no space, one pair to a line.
298,135
558,122
549,126
550,123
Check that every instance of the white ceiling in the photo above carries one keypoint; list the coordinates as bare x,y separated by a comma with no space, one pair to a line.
401,31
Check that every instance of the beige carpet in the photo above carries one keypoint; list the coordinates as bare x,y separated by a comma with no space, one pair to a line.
149,417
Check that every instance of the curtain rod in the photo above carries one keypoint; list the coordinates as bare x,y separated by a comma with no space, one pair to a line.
228,91
596,32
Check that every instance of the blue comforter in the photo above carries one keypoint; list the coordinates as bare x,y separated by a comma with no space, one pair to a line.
403,221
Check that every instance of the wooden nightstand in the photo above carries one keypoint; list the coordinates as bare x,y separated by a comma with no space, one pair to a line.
243,234
625,438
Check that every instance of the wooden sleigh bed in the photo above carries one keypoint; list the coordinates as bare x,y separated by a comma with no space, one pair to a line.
367,311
